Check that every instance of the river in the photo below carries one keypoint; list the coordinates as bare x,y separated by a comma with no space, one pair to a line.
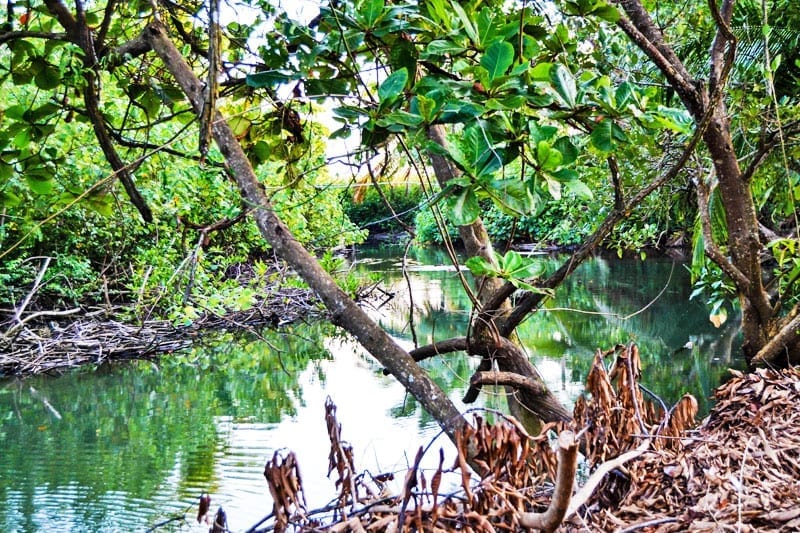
123,447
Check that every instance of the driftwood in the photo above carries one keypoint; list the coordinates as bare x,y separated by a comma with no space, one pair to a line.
29,345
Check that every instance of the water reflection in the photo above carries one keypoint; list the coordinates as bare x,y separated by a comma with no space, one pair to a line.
123,447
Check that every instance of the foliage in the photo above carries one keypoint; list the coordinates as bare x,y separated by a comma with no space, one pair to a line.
372,213
511,266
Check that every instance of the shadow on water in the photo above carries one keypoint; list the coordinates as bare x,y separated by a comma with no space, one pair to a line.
123,447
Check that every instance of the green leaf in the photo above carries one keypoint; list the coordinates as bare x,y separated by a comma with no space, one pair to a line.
564,83
479,266
393,85
497,59
401,118
370,12
326,87
40,184
579,189
569,153
469,28
541,72
441,47
48,78
269,78
239,126
463,207
607,135
607,12
9,199
548,158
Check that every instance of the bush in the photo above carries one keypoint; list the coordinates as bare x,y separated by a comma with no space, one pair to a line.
372,213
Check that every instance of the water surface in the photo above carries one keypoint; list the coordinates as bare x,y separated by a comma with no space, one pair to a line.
123,447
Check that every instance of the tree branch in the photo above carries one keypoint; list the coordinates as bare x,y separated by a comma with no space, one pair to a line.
14,35
648,37
511,379
562,493
344,311
783,344
710,247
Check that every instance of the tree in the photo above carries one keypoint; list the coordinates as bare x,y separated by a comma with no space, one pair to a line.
504,104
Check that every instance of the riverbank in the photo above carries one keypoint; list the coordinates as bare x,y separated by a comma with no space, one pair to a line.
42,342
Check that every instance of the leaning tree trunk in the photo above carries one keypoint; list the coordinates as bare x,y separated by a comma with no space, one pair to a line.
344,311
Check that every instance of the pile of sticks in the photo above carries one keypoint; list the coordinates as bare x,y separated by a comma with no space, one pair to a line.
37,342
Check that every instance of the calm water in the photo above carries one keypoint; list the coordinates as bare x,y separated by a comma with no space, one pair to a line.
121,448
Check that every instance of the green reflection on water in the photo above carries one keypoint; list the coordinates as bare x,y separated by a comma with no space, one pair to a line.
136,443
607,301
137,432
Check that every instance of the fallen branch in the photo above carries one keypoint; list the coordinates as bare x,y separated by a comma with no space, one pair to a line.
585,492
36,283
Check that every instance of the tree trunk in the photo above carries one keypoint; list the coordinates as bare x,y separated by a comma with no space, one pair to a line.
706,105
485,339
344,311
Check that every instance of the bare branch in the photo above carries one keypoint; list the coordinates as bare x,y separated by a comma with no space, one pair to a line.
510,379
562,494
782,347
711,248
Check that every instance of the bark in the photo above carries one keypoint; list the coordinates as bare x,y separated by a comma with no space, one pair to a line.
705,103
344,311
485,340
81,35
562,492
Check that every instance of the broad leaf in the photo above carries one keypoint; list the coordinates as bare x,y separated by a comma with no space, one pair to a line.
479,266
40,184
497,59
442,47
370,12
463,207
564,83
607,135
393,85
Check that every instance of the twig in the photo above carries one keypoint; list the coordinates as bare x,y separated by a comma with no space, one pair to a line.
36,282
649,523
583,495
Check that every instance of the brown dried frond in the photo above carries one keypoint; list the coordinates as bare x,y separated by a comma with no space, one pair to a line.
340,458
286,487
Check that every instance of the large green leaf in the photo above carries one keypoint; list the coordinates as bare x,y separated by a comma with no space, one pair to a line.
369,12
463,207
40,183
564,83
607,135
549,158
393,85
497,59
